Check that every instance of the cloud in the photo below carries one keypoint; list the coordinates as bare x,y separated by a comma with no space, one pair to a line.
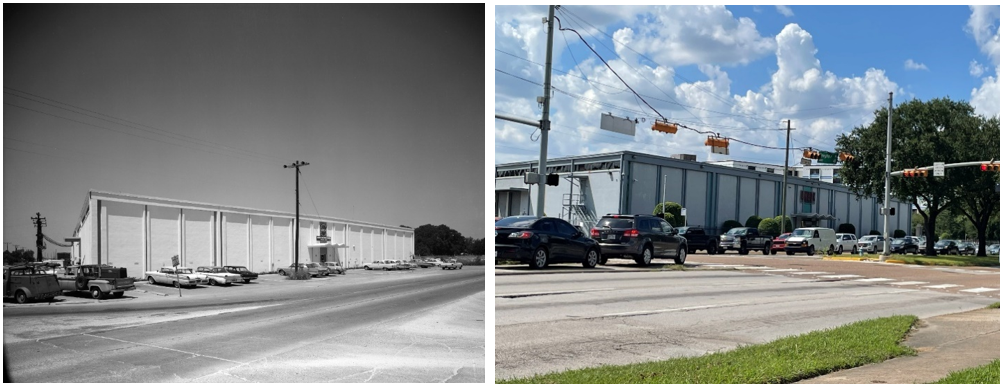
976,69
784,10
984,26
910,65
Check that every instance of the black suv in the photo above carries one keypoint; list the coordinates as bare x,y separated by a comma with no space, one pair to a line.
641,237
542,241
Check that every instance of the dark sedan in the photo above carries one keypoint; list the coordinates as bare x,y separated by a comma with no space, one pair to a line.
966,248
946,247
905,246
246,274
540,241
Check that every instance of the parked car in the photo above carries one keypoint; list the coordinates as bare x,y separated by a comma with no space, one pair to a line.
183,276
333,267
744,240
778,243
967,248
906,245
641,237
24,283
98,280
871,244
217,275
314,271
405,265
994,249
846,242
946,247
698,239
810,239
379,265
451,264
245,274
542,241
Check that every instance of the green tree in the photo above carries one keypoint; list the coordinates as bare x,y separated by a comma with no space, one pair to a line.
730,224
898,234
440,240
753,221
978,200
922,133
787,223
671,212
770,226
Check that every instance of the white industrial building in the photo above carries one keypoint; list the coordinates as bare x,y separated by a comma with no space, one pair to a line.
141,233
819,172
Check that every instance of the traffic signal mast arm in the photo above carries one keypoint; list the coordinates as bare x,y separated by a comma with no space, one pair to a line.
948,165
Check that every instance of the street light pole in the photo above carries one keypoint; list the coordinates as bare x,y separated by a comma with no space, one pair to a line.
545,124
784,182
296,241
888,168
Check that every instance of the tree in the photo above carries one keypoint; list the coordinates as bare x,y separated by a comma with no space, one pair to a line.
730,224
671,213
846,228
978,200
898,234
770,226
922,133
753,221
442,240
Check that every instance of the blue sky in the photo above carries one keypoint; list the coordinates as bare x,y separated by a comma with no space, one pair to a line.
738,70
218,97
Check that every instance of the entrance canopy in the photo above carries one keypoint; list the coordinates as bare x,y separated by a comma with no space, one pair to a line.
333,245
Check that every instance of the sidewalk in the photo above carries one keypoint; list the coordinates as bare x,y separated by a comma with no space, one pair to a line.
944,344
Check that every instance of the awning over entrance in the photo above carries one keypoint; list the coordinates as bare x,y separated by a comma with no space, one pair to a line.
334,245
810,219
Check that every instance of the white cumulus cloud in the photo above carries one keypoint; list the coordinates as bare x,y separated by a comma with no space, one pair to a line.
911,65
784,10
976,69
984,26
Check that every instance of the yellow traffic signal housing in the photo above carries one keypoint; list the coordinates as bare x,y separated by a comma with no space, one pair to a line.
718,145
811,154
915,173
991,167
845,157
668,128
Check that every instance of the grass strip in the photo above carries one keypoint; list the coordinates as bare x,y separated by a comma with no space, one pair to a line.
941,260
995,305
986,374
784,360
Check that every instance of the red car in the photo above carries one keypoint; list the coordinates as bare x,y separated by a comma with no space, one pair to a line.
778,243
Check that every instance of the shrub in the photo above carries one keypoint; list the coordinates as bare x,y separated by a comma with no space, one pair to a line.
846,228
787,223
730,224
671,213
300,274
770,226
899,234
874,232
753,221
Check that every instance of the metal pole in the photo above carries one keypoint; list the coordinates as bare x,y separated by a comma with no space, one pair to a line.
545,124
296,240
888,168
784,185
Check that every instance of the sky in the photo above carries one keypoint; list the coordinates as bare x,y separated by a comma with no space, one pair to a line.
737,71
207,102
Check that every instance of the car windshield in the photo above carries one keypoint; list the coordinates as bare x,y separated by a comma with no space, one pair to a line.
784,236
217,270
615,223
943,243
802,233
869,238
240,268
184,271
516,221
736,231
899,241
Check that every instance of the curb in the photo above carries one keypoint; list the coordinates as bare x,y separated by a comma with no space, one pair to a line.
596,270
846,259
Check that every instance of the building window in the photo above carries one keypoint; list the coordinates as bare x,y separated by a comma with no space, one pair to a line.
751,167
836,178
770,170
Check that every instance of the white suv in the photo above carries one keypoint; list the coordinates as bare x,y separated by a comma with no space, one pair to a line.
871,243
846,242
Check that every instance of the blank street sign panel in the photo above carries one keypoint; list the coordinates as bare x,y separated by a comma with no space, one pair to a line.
616,124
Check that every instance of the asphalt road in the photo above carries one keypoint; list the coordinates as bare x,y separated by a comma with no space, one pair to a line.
568,317
425,325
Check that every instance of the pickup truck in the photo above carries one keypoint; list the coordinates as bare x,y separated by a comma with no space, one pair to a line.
697,239
451,264
98,280
744,240
24,283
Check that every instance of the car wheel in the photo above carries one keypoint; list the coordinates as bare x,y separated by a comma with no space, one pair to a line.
830,250
20,297
603,259
773,252
118,294
681,256
176,284
766,249
812,250
840,249
592,258
712,248
247,281
645,258
539,259
150,280
742,249
212,282
97,293
282,273
790,252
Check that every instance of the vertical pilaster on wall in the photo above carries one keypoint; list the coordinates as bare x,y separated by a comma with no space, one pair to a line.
223,237
146,238
212,234
250,245
271,251
97,231
181,235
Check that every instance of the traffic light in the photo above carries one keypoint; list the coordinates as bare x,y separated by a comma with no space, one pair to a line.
845,157
552,179
810,154
668,128
915,173
991,167
718,145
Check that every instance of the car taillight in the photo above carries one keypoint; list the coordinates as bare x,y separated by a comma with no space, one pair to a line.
594,233
521,235
632,233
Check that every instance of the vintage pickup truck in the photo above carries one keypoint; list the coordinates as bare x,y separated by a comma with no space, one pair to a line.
24,283
184,277
98,280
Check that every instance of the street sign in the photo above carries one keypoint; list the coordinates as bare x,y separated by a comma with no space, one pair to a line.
683,212
939,169
806,162
323,239
620,125
174,261
827,157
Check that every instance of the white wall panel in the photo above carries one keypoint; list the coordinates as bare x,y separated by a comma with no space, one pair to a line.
642,188
726,200
125,237
747,199
163,236
237,240
308,234
354,252
697,198
768,198
282,254
198,238
259,244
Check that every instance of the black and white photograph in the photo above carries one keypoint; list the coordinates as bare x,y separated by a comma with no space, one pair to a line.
243,193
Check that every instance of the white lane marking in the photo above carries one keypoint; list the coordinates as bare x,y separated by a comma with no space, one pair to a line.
528,294
782,270
875,280
652,312
942,286
841,276
811,272
752,267
978,290
891,291
908,283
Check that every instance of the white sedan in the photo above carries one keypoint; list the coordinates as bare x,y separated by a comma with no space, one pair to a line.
377,265
218,275
182,277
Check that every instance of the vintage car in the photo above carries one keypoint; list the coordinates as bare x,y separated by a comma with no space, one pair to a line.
184,276
332,267
451,264
314,271
403,265
245,274
217,275
24,283
379,265
98,280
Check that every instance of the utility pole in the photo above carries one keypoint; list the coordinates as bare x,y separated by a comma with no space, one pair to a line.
296,240
784,185
888,168
545,124
39,223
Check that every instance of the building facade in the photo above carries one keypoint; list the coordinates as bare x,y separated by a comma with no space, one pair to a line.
143,233
824,172
634,183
